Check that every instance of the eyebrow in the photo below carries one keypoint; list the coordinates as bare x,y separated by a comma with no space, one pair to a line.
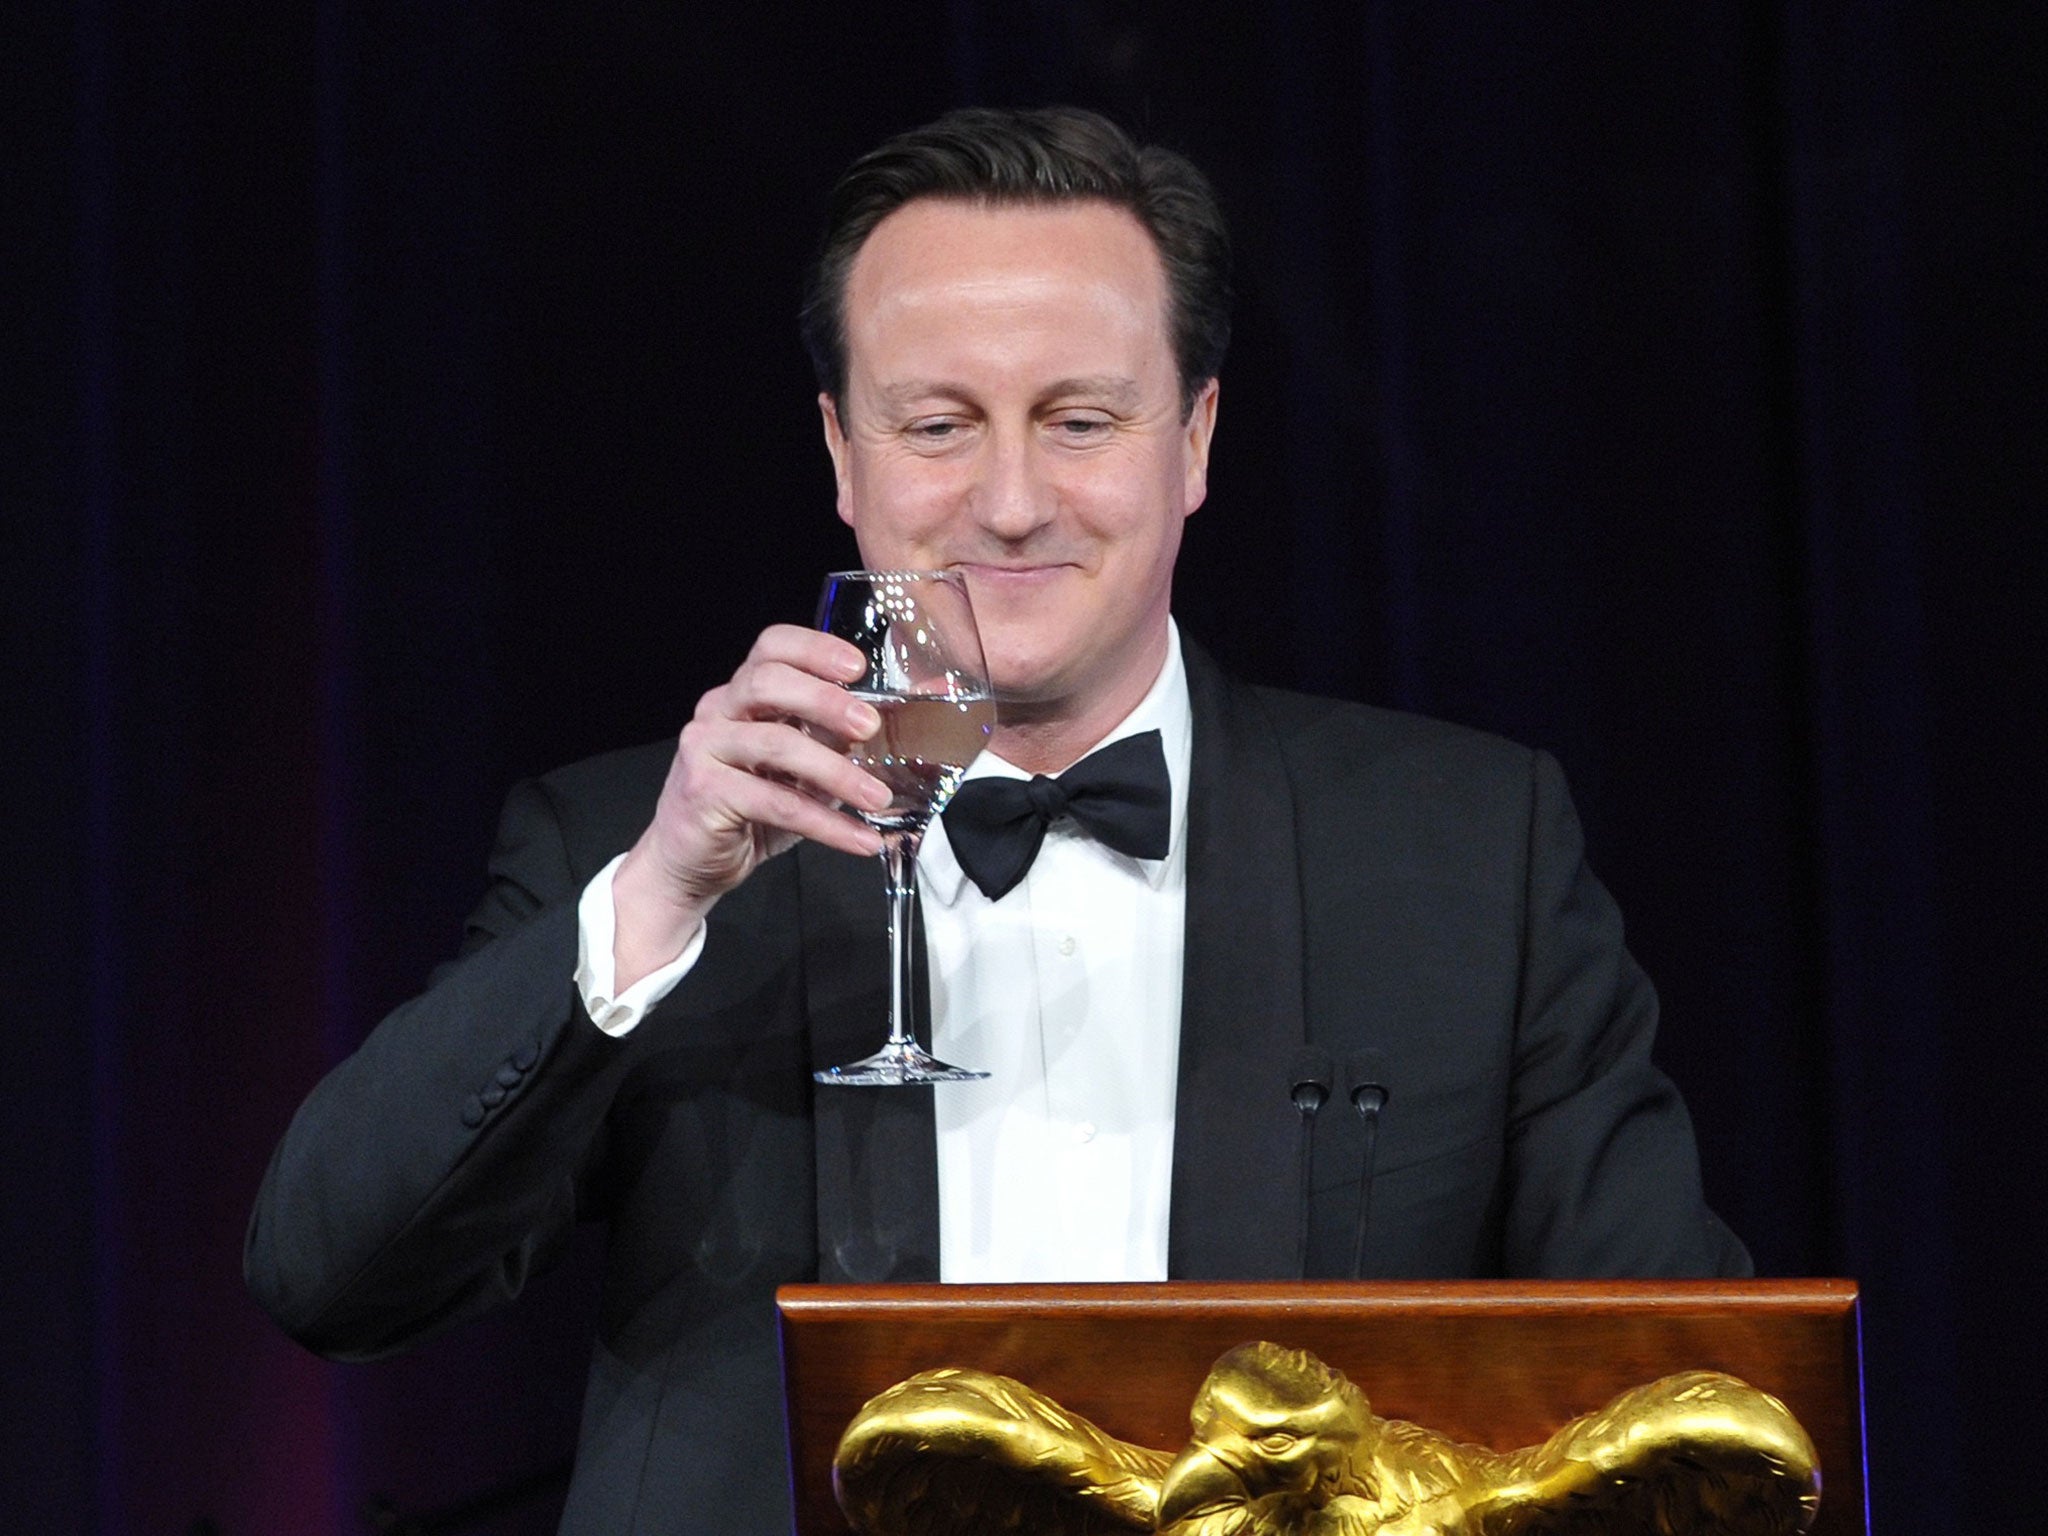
911,390
1111,388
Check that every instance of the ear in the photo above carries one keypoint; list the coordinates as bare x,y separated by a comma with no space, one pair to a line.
835,444
1201,430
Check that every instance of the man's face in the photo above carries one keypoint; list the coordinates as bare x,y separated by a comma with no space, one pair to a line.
1012,411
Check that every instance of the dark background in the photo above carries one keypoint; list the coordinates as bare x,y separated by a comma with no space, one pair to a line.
408,399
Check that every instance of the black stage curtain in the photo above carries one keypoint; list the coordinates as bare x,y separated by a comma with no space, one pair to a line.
409,400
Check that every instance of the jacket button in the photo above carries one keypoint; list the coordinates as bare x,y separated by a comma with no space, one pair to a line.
492,1096
509,1076
473,1112
527,1056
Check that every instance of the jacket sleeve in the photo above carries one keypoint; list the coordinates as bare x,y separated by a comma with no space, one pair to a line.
1603,1171
429,1174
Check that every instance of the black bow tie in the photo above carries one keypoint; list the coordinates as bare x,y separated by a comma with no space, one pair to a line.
1120,796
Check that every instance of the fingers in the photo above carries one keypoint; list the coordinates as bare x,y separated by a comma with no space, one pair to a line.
809,650
797,675
761,763
764,760
770,806
787,719
778,755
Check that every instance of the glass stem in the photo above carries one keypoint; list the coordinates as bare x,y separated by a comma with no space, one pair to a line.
899,859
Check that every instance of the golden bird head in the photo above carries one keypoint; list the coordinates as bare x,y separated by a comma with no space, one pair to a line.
1273,1428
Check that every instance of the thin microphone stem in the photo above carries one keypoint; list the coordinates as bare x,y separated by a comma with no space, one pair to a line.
1309,1087
1368,1097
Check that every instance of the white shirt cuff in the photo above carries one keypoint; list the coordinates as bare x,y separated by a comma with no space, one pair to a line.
597,921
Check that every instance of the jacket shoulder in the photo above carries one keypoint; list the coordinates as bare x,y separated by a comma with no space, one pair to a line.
1338,747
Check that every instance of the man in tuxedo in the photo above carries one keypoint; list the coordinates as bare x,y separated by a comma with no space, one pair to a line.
1163,900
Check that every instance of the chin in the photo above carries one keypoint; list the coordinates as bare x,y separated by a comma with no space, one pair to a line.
1016,653
1024,678
1031,688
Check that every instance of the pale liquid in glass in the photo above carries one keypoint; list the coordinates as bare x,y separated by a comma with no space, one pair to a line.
921,752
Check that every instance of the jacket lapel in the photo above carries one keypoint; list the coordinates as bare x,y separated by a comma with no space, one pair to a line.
1236,1132
876,1148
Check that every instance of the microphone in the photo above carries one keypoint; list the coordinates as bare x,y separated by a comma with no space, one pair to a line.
1309,1087
1364,1071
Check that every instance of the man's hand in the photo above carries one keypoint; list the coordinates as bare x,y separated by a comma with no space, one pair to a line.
761,763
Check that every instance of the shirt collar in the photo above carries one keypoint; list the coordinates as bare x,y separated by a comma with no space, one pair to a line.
1164,708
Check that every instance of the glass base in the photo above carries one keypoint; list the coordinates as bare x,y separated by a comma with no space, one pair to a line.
898,1065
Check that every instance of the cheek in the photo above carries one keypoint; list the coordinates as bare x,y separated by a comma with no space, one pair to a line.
898,511
1134,500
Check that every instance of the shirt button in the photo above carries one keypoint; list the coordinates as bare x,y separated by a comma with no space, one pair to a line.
1067,945
1084,1133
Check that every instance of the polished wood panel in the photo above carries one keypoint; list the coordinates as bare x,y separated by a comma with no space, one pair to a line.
1499,1364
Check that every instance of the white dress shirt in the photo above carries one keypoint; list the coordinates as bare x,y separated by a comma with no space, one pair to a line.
1067,991
1058,1165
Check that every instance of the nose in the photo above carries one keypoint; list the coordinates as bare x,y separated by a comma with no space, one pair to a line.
1013,497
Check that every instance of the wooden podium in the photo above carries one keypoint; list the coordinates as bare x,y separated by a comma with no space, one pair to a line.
1499,1364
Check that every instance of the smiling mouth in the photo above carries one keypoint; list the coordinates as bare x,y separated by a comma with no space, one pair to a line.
995,572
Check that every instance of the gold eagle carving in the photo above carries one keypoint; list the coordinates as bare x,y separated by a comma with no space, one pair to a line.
1285,1446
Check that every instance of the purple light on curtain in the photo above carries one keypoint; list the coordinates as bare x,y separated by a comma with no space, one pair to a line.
184,611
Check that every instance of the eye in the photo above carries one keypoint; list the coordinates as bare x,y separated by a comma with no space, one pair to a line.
1277,1442
1080,429
933,435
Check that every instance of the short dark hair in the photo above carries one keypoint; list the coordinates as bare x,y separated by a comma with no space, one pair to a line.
1053,155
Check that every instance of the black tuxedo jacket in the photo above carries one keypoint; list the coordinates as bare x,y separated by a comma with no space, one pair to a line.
1357,879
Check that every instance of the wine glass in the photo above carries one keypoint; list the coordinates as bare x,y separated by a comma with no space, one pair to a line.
927,680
